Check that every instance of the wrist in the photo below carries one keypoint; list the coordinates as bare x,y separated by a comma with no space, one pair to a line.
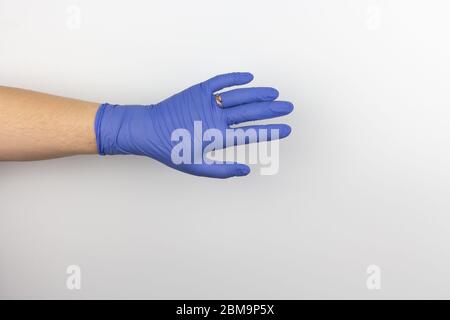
115,128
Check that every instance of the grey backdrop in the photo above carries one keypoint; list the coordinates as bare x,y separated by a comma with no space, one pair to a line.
363,180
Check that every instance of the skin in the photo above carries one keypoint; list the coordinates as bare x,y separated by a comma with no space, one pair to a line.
37,126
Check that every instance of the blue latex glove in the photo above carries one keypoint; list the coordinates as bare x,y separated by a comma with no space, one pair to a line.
147,129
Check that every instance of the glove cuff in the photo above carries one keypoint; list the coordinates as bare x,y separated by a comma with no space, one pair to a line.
115,128
97,127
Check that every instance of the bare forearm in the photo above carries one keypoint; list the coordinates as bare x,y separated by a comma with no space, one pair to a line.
36,126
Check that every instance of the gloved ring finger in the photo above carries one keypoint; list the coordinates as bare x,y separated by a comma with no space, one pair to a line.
247,95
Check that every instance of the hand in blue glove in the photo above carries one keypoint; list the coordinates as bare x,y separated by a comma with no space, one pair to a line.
148,130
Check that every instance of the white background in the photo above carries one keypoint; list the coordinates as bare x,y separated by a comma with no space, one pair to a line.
364,177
